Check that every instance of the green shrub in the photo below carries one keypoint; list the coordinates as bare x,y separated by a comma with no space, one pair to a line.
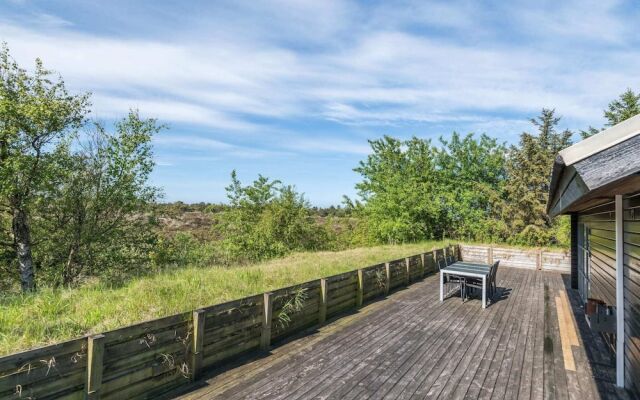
266,220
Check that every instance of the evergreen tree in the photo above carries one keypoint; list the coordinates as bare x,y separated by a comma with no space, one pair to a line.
529,171
627,105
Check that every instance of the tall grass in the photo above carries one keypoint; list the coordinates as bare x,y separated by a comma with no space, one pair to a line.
53,315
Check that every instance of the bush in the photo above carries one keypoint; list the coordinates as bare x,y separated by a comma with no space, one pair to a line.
267,219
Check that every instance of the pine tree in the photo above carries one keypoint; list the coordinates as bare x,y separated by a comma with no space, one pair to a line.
627,105
529,171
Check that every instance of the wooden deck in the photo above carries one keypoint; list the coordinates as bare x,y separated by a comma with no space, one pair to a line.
532,343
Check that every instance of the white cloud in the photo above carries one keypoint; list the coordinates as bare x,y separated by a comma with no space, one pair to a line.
214,149
239,66
327,144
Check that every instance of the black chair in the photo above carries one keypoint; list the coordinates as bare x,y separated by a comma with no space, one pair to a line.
494,274
451,279
476,283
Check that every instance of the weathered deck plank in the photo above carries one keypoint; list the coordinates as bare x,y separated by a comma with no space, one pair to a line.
412,346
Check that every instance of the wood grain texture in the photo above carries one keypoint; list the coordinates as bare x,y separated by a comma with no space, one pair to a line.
411,346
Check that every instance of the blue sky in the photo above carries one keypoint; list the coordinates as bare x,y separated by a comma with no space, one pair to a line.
293,89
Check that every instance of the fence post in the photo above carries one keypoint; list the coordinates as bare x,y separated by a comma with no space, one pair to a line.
322,313
435,260
539,259
198,340
360,292
265,337
423,265
407,278
95,352
387,269
490,255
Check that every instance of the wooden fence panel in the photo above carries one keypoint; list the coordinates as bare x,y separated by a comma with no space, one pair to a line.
57,370
150,358
374,281
430,263
518,258
231,329
416,271
398,273
287,318
556,261
475,253
342,292
146,356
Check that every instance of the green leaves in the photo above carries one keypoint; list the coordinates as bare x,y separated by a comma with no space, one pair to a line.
527,188
412,190
85,194
624,107
267,219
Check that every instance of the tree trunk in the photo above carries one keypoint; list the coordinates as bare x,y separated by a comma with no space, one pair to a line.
22,238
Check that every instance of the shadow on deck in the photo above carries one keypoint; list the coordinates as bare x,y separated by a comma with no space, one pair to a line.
532,344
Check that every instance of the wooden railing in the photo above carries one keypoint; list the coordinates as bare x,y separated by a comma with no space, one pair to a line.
147,359
518,258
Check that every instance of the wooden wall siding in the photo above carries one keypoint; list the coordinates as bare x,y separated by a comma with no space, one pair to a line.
632,291
147,359
57,370
600,222
528,259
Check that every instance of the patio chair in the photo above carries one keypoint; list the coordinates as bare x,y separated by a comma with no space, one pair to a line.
476,283
451,279
493,278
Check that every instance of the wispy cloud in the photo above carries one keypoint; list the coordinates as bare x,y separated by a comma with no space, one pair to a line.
378,76
266,80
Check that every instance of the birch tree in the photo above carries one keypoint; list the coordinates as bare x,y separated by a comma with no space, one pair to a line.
38,117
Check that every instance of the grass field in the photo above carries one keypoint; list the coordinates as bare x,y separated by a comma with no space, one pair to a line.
53,315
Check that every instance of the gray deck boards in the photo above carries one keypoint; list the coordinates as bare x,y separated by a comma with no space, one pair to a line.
411,346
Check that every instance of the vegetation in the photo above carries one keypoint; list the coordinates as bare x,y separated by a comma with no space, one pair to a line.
80,222
470,188
624,107
527,185
55,315
266,220
72,203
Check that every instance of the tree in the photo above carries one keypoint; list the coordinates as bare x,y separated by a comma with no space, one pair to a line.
95,220
472,182
267,219
627,105
37,117
412,190
398,191
529,170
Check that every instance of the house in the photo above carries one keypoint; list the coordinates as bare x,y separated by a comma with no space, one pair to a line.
597,183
